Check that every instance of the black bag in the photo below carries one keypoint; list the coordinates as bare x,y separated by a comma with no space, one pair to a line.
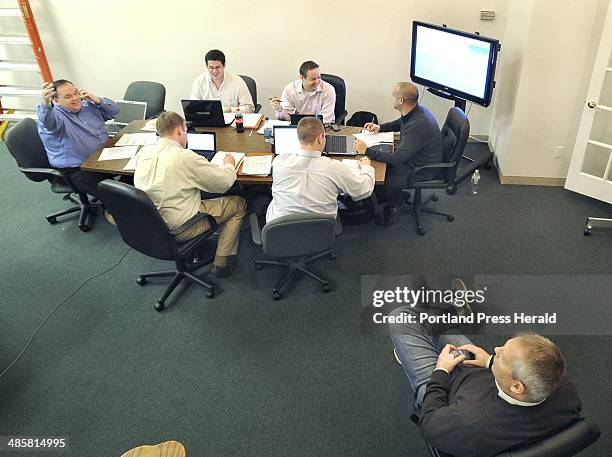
361,118
354,212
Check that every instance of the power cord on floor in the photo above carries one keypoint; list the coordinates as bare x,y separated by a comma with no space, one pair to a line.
57,307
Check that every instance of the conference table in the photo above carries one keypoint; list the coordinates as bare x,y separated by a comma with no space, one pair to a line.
249,142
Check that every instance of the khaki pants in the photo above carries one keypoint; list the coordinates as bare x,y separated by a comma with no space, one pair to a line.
228,212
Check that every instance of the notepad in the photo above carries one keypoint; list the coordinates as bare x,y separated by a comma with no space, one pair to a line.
249,120
371,139
131,139
257,165
219,158
126,152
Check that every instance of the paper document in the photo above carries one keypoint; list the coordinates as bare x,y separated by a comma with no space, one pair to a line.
370,139
249,120
131,165
270,123
126,152
257,165
131,139
219,158
150,126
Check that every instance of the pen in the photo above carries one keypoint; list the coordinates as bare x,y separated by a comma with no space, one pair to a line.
251,132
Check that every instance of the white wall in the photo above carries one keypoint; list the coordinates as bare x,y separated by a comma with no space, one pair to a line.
103,45
544,83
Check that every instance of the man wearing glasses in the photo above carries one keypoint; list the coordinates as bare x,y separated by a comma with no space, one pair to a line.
71,127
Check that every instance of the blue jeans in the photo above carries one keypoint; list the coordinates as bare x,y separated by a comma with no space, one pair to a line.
418,351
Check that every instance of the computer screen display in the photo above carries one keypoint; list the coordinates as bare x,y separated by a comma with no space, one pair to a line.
130,111
458,63
201,141
286,140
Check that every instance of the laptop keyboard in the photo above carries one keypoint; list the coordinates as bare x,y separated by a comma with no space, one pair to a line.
112,129
335,143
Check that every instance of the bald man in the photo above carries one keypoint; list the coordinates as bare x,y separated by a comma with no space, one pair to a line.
420,144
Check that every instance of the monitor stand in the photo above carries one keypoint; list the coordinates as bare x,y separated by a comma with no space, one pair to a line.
468,170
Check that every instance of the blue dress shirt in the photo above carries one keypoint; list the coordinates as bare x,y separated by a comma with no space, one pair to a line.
70,138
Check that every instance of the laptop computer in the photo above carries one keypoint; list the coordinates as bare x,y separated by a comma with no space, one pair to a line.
203,113
285,139
340,145
128,111
203,143
295,118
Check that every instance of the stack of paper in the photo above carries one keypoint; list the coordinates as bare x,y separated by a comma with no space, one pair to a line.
270,123
249,120
257,165
130,139
126,152
131,165
370,139
219,158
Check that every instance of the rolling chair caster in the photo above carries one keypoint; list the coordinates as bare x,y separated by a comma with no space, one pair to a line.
588,231
421,231
332,255
276,294
141,281
52,220
210,293
325,287
450,218
450,190
159,307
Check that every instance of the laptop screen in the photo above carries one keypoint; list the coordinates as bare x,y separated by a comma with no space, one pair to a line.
286,139
201,141
130,111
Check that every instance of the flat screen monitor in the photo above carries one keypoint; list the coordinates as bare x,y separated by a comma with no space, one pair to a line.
458,63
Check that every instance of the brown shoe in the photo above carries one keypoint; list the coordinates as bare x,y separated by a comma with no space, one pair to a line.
166,449
222,272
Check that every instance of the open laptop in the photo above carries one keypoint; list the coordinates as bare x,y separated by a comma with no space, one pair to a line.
128,111
340,145
295,118
203,143
203,113
286,139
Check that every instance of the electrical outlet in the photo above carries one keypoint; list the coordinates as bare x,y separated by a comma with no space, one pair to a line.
559,152
487,15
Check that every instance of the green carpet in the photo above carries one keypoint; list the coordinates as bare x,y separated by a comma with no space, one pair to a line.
242,375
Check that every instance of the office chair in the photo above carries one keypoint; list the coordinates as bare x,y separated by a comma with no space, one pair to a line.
455,132
361,118
340,87
147,91
24,144
279,240
565,443
252,86
142,228
594,222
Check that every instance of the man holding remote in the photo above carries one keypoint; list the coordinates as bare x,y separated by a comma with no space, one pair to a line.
484,406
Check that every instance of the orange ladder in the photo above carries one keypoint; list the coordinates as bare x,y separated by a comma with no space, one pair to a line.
39,65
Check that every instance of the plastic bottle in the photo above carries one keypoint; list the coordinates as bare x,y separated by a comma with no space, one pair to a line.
475,190
267,132
239,121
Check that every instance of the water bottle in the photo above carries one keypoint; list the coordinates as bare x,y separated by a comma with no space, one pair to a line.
475,190
267,132
239,121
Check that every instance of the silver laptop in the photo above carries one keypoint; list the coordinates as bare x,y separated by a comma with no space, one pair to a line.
340,145
128,111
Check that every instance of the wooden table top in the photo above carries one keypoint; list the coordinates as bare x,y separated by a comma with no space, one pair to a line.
227,140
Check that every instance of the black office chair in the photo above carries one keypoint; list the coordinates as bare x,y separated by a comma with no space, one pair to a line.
455,134
361,118
147,91
596,222
252,86
316,234
565,443
24,144
142,228
340,87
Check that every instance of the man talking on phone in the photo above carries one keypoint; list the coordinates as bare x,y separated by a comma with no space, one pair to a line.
71,127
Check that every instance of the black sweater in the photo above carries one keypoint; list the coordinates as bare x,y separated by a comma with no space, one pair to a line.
468,418
420,144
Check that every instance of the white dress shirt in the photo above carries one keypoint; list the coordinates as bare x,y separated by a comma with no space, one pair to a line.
305,182
233,92
295,100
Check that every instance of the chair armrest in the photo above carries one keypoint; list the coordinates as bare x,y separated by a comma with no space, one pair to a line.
194,220
255,229
47,171
442,165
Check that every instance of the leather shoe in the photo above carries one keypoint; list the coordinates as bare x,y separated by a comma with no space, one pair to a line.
222,272
391,215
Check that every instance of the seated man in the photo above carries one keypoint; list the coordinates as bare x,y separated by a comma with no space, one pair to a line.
420,144
484,406
307,95
305,182
174,177
71,127
218,84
